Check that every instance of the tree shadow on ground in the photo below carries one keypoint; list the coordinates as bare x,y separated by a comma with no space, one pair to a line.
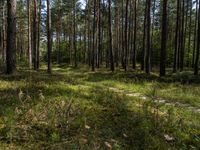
98,119
138,76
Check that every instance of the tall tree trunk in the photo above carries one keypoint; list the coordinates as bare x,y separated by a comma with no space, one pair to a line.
135,35
117,41
35,35
49,37
148,46
99,33
112,67
144,41
122,38
11,37
74,33
38,35
126,36
4,32
152,27
196,66
182,50
163,40
195,35
189,36
29,34
176,38
94,33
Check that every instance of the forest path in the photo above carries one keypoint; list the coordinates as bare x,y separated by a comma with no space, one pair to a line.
156,99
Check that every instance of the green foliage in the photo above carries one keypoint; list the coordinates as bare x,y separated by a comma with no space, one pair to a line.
75,109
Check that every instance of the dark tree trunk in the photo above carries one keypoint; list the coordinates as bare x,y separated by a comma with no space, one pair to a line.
35,35
29,34
196,66
182,50
74,34
195,34
148,46
4,36
49,36
176,38
38,35
135,35
144,41
163,40
126,37
94,33
11,37
189,36
112,67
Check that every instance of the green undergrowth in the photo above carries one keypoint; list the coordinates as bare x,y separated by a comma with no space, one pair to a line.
74,109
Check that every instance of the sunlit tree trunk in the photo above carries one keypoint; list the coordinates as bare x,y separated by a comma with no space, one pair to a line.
29,34
49,36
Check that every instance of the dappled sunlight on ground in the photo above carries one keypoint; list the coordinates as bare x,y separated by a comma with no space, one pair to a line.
77,109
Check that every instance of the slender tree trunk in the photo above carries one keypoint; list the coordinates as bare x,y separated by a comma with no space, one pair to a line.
94,33
135,35
148,46
123,38
85,34
117,42
4,32
74,34
176,38
88,35
1,28
163,40
11,37
189,36
196,66
38,36
112,66
29,34
126,37
49,37
152,27
35,35
99,32
195,35
143,63
182,50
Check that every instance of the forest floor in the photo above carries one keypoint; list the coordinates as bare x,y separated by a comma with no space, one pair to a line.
80,109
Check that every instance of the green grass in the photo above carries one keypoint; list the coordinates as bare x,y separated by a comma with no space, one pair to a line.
74,109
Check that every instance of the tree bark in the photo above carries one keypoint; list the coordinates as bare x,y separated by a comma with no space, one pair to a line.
163,40
11,37
29,34
135,35
176,37
49,37
112,67
38,36
35,21
148,46
94,33
196,66
126,37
